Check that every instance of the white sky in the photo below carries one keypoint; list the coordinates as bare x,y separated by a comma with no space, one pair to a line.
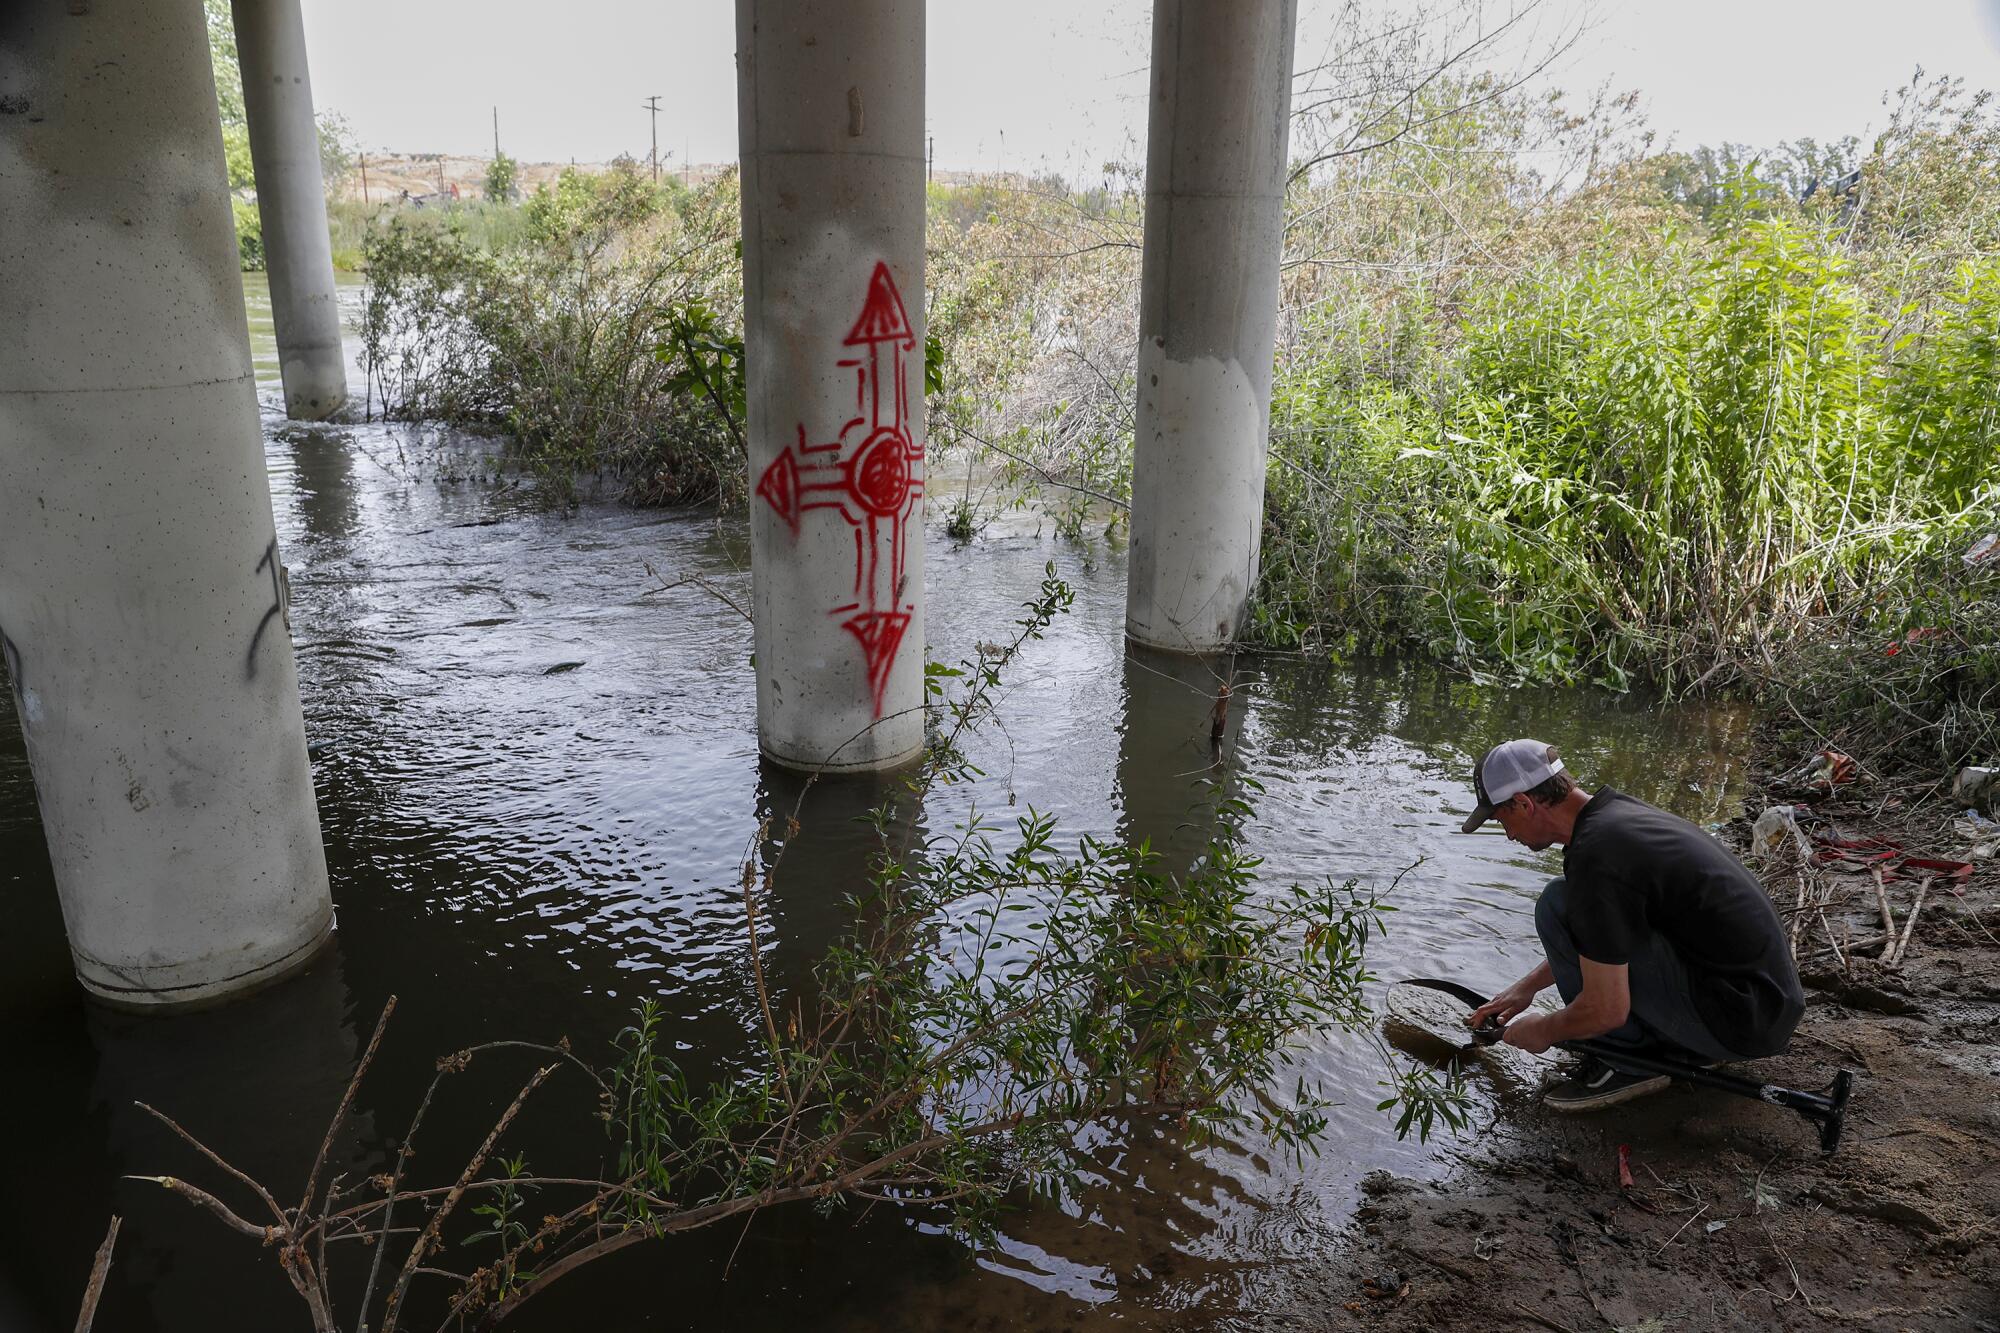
1062,83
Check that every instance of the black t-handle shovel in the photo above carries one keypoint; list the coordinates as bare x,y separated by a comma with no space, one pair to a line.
1826,1109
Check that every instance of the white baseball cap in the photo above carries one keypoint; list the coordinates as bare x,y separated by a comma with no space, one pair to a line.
1507,770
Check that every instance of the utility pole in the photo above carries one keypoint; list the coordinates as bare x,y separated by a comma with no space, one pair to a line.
364,176
653,105
930,157
496,134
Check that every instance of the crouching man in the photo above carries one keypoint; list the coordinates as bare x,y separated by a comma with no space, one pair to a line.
1656,937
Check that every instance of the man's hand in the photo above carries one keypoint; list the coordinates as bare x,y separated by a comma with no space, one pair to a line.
1505,1005
1530,1034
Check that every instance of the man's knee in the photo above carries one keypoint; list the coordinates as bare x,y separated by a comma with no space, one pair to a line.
1551,910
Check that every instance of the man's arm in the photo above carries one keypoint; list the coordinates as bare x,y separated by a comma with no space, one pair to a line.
1604,1003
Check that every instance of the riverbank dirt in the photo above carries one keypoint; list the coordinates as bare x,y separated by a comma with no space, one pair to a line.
1733,1219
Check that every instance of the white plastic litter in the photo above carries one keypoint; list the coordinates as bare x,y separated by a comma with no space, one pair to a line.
1773,828
1981,833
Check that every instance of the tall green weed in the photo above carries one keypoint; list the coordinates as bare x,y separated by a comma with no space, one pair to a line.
1646,464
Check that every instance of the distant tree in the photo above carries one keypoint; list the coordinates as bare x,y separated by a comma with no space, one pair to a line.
229,93
337,149
502,178
1713,177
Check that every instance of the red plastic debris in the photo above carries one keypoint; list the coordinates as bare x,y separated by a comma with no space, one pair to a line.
1924,865
1624,1166
1856,851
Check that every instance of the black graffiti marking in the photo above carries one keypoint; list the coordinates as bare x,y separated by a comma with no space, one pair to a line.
281,600
11,655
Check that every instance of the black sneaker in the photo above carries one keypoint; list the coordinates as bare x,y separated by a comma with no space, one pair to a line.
1596,1085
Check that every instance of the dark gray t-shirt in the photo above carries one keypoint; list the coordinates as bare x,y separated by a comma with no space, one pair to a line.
1634,871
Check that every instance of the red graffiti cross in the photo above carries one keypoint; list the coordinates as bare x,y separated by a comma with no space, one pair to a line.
872,473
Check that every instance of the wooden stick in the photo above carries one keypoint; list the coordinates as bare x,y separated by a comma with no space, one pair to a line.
393,1307
98,1271
1798,913
1895,958
1882,900
1832,942
1854,949
215,1157
1442,1265
202,1198
340,1112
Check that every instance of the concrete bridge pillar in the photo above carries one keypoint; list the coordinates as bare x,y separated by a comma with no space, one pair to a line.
831,119
1215,186
291,200
143,601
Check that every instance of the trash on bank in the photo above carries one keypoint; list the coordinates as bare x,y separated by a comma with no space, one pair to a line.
1985,552
1778,825
1887,858
1859,852
1977,788
1982,835
1824,771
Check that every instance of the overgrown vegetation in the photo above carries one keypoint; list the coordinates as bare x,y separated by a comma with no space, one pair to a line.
574,339
481,224
1632,419
1910,675
996,994
1656,464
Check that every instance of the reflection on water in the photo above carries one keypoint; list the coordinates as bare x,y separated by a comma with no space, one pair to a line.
523,854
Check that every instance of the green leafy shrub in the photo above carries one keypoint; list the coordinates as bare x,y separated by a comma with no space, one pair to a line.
249,234
422,349
555,338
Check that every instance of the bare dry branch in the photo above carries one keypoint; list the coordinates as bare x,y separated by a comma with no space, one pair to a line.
204,1199
94,1291
277,1213
346,1100
428,1240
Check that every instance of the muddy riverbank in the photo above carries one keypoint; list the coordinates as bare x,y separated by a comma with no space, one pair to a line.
1734,1219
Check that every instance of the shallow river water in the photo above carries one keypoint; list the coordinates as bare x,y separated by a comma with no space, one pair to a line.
517,854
